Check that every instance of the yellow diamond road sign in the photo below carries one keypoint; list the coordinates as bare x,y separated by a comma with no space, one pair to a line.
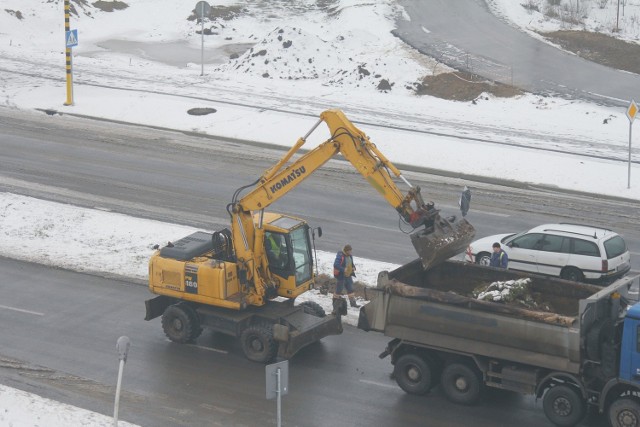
632,111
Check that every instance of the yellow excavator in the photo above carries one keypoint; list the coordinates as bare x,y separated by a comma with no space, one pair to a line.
231,280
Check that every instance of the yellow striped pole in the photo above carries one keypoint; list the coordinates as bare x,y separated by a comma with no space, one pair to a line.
67,52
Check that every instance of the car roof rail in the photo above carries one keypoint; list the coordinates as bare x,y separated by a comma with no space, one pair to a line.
585,225
572,232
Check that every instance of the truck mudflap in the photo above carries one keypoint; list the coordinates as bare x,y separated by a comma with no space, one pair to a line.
299,329
445,239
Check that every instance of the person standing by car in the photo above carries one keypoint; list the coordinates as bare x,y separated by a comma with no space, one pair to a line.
499,258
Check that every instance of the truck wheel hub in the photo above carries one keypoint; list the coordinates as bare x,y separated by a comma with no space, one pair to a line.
413,374
562,406
627,418
461,384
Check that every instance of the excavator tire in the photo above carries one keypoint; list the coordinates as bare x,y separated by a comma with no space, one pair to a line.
196,329
177,324
313,308
258,343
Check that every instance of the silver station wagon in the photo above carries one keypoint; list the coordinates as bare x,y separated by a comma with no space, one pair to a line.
569,251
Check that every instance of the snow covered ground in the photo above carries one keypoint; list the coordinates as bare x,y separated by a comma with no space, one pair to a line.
270,70
21,409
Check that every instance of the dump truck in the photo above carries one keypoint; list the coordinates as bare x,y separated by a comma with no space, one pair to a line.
574,345
233,280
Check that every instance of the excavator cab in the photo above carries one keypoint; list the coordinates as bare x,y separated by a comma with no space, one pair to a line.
288,250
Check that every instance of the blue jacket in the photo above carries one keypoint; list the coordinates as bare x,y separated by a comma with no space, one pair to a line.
340,263
499,259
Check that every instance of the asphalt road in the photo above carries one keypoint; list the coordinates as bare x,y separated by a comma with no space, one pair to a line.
58,340
189,180
465,34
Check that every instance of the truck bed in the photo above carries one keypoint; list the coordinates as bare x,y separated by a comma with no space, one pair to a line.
433,308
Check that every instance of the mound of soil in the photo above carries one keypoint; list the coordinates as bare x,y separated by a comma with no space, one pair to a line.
463,86
327,283
600,48
109,6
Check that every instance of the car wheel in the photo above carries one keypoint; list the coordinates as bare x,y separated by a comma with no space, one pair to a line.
572,273
483,258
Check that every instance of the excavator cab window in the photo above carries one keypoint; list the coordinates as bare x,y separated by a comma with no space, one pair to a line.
277,250
301,247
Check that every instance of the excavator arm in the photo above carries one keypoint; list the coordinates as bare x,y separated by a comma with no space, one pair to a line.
354,146
435,240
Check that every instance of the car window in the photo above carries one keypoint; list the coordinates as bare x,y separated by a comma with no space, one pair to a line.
553,243
583,247
528,241
615,246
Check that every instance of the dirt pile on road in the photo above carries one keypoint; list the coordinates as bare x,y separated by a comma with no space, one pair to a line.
463,86
600,48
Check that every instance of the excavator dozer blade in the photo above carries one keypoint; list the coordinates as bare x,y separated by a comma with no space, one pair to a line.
299,329
442,241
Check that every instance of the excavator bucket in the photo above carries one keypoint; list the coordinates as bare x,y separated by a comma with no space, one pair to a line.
441,241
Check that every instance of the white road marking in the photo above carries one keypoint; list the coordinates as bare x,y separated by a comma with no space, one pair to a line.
492,213
21,310
379,384
208,348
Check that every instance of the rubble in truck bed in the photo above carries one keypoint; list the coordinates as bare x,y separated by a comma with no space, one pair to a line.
463,284
516,292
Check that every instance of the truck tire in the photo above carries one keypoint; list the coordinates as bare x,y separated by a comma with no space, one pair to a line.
461,383
414,374
313,308
258,343
196,329
624,413
483,258
564,406
177,324
572,273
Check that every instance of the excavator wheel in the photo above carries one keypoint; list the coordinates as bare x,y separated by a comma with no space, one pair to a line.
258,343
196,329
177,324
313,308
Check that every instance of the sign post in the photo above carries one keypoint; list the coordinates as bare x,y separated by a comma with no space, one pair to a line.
632,110
202,9
277,380
71,39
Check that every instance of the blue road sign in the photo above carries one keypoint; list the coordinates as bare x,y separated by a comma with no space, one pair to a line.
71,38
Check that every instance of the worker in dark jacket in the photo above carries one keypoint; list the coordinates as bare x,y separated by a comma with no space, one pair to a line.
344,270
499,257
